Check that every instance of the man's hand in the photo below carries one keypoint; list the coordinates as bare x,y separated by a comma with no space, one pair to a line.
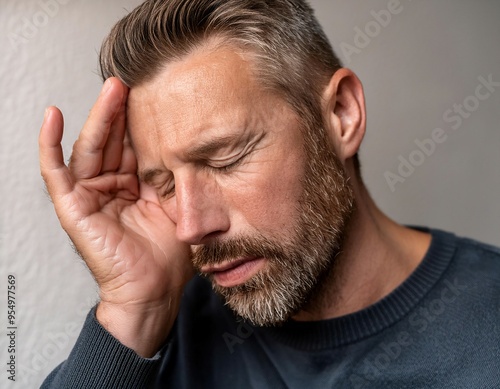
116,224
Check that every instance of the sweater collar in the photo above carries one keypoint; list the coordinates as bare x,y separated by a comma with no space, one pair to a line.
324,334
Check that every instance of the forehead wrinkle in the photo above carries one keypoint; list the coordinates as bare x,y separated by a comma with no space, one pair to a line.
206,128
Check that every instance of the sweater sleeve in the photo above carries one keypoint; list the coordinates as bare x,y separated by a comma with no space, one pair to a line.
98,360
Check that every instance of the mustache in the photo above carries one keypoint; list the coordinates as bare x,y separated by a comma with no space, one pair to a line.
218,252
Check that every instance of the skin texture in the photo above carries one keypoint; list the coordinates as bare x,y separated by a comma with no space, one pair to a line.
137,235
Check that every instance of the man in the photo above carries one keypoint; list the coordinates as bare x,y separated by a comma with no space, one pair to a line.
224,142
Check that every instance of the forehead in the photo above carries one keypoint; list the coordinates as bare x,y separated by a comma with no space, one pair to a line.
197,79
205,93
206,69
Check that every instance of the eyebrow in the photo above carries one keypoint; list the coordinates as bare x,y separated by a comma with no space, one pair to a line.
148,175
209,147
203,150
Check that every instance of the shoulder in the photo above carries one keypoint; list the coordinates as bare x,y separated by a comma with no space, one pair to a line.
463,267
475,266
478,257
463,251
477,250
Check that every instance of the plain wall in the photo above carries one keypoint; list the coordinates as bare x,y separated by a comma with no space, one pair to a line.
415,68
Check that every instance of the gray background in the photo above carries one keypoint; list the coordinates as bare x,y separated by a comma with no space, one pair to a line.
425,60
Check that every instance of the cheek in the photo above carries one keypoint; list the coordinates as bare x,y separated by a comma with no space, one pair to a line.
268,201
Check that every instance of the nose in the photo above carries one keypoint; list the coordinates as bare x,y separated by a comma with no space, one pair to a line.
199,211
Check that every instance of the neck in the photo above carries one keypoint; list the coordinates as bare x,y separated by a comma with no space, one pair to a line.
376,257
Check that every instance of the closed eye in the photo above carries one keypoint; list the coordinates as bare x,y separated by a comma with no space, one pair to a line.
228,167
166,190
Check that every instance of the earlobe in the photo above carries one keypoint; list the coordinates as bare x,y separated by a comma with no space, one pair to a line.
345,113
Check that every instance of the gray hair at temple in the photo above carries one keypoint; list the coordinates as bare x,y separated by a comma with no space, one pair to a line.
292,54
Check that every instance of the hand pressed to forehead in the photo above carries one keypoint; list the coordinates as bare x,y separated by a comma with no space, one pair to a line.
127,242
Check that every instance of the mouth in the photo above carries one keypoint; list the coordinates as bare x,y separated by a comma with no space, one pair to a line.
236,272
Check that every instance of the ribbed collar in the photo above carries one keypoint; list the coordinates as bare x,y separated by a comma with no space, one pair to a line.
318,335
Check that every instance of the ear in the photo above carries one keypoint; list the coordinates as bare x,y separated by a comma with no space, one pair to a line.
345,113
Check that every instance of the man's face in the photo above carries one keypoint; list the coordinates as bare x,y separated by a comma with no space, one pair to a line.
262,205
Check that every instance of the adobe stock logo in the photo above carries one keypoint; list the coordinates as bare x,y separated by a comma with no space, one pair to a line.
454,117
31,26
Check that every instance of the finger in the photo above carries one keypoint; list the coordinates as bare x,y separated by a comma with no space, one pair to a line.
54,172
86,160
128,163
123,186
112,154
148,193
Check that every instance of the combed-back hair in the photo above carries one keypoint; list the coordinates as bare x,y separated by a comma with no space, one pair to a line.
292,54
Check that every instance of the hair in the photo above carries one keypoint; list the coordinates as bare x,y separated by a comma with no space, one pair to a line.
293,56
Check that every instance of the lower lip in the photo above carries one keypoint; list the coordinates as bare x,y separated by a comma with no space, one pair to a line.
239,274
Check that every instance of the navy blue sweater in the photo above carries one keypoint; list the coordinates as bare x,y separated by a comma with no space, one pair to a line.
439,329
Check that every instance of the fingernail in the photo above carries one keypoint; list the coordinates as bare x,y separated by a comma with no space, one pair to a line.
46,114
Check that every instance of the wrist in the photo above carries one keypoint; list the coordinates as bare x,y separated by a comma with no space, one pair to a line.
143,329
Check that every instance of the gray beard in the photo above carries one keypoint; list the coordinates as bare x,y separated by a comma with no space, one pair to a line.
301,259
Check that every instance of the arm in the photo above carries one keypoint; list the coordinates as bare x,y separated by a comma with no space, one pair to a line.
116,224
98,360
